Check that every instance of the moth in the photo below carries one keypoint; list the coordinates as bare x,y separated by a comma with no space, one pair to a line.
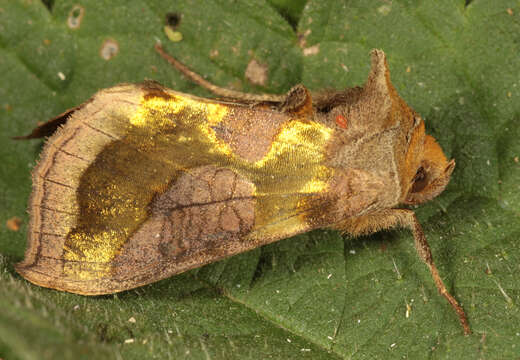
141,182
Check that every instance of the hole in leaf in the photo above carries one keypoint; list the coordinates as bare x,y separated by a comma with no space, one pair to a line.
75,16
173,19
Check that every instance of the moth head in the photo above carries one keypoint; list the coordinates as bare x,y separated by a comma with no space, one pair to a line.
424,169
428,171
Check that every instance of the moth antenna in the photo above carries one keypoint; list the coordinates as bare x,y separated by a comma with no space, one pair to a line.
217,90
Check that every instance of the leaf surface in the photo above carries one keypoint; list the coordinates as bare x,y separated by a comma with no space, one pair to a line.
318,295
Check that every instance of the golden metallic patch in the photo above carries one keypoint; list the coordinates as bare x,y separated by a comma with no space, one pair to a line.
293,168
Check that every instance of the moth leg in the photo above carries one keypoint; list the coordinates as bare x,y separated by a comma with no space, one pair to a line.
217,90
390,218
424,251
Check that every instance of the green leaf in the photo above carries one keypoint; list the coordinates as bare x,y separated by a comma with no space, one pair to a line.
318,295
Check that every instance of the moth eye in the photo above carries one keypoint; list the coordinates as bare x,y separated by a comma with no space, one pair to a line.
416,121
419,175
420,180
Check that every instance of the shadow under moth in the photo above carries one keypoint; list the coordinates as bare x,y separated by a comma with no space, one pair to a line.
140,182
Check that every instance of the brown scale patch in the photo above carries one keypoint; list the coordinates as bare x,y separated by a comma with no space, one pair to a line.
351,192
223,185
250,131
153,89
229,220
203,209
